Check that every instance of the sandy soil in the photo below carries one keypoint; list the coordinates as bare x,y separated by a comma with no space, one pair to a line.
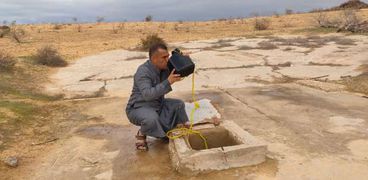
94,38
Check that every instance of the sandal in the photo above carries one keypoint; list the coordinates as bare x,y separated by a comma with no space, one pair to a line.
185,125
141,143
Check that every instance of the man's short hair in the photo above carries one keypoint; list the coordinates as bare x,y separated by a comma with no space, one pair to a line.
156,47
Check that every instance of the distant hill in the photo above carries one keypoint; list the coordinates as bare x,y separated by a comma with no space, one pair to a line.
351,4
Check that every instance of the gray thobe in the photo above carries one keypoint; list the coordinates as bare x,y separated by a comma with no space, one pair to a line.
147,106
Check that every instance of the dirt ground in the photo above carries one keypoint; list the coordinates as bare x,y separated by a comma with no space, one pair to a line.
302,91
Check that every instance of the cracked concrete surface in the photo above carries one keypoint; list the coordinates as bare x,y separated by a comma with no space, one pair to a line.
314,129
114,70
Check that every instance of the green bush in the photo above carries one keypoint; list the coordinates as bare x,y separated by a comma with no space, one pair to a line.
49,56
150,40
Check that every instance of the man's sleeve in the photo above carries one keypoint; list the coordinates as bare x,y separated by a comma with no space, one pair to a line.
144,83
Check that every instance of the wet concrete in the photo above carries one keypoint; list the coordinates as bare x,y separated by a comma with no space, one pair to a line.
154,164
304,128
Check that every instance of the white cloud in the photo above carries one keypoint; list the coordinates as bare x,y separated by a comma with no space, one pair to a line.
113,10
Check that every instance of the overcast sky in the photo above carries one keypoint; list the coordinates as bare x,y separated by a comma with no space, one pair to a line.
37,11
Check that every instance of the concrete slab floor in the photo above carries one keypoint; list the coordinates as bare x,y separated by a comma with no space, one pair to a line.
311,134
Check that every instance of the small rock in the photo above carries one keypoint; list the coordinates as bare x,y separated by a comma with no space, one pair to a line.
11,161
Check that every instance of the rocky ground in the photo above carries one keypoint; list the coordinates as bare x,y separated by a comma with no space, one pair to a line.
292,92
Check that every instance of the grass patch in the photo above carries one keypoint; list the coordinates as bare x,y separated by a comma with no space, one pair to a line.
23,110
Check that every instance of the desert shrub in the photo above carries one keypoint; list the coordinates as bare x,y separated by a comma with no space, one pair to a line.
7,62
261,24
18,34
58,26
148,18
49,56
350,17
150,40
100,19
4,30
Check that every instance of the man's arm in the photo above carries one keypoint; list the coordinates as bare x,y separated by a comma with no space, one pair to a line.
144,83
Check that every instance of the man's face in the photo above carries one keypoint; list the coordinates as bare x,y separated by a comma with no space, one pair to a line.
160,59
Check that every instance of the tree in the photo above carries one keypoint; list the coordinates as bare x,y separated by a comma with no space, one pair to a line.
289,11
148,18
100,19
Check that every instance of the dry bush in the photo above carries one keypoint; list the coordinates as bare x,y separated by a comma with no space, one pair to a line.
79,28
49,56
324,21
176,27
118,28
7,62
350,17
150,40
262,24
13,32
4,30
162,25
115,30
17,34
58,26
347,21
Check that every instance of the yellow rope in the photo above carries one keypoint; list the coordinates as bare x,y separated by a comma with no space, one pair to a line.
180,132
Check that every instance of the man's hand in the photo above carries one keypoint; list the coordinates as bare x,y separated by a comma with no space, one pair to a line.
174,77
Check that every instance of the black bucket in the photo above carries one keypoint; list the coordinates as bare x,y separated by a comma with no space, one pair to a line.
183,65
